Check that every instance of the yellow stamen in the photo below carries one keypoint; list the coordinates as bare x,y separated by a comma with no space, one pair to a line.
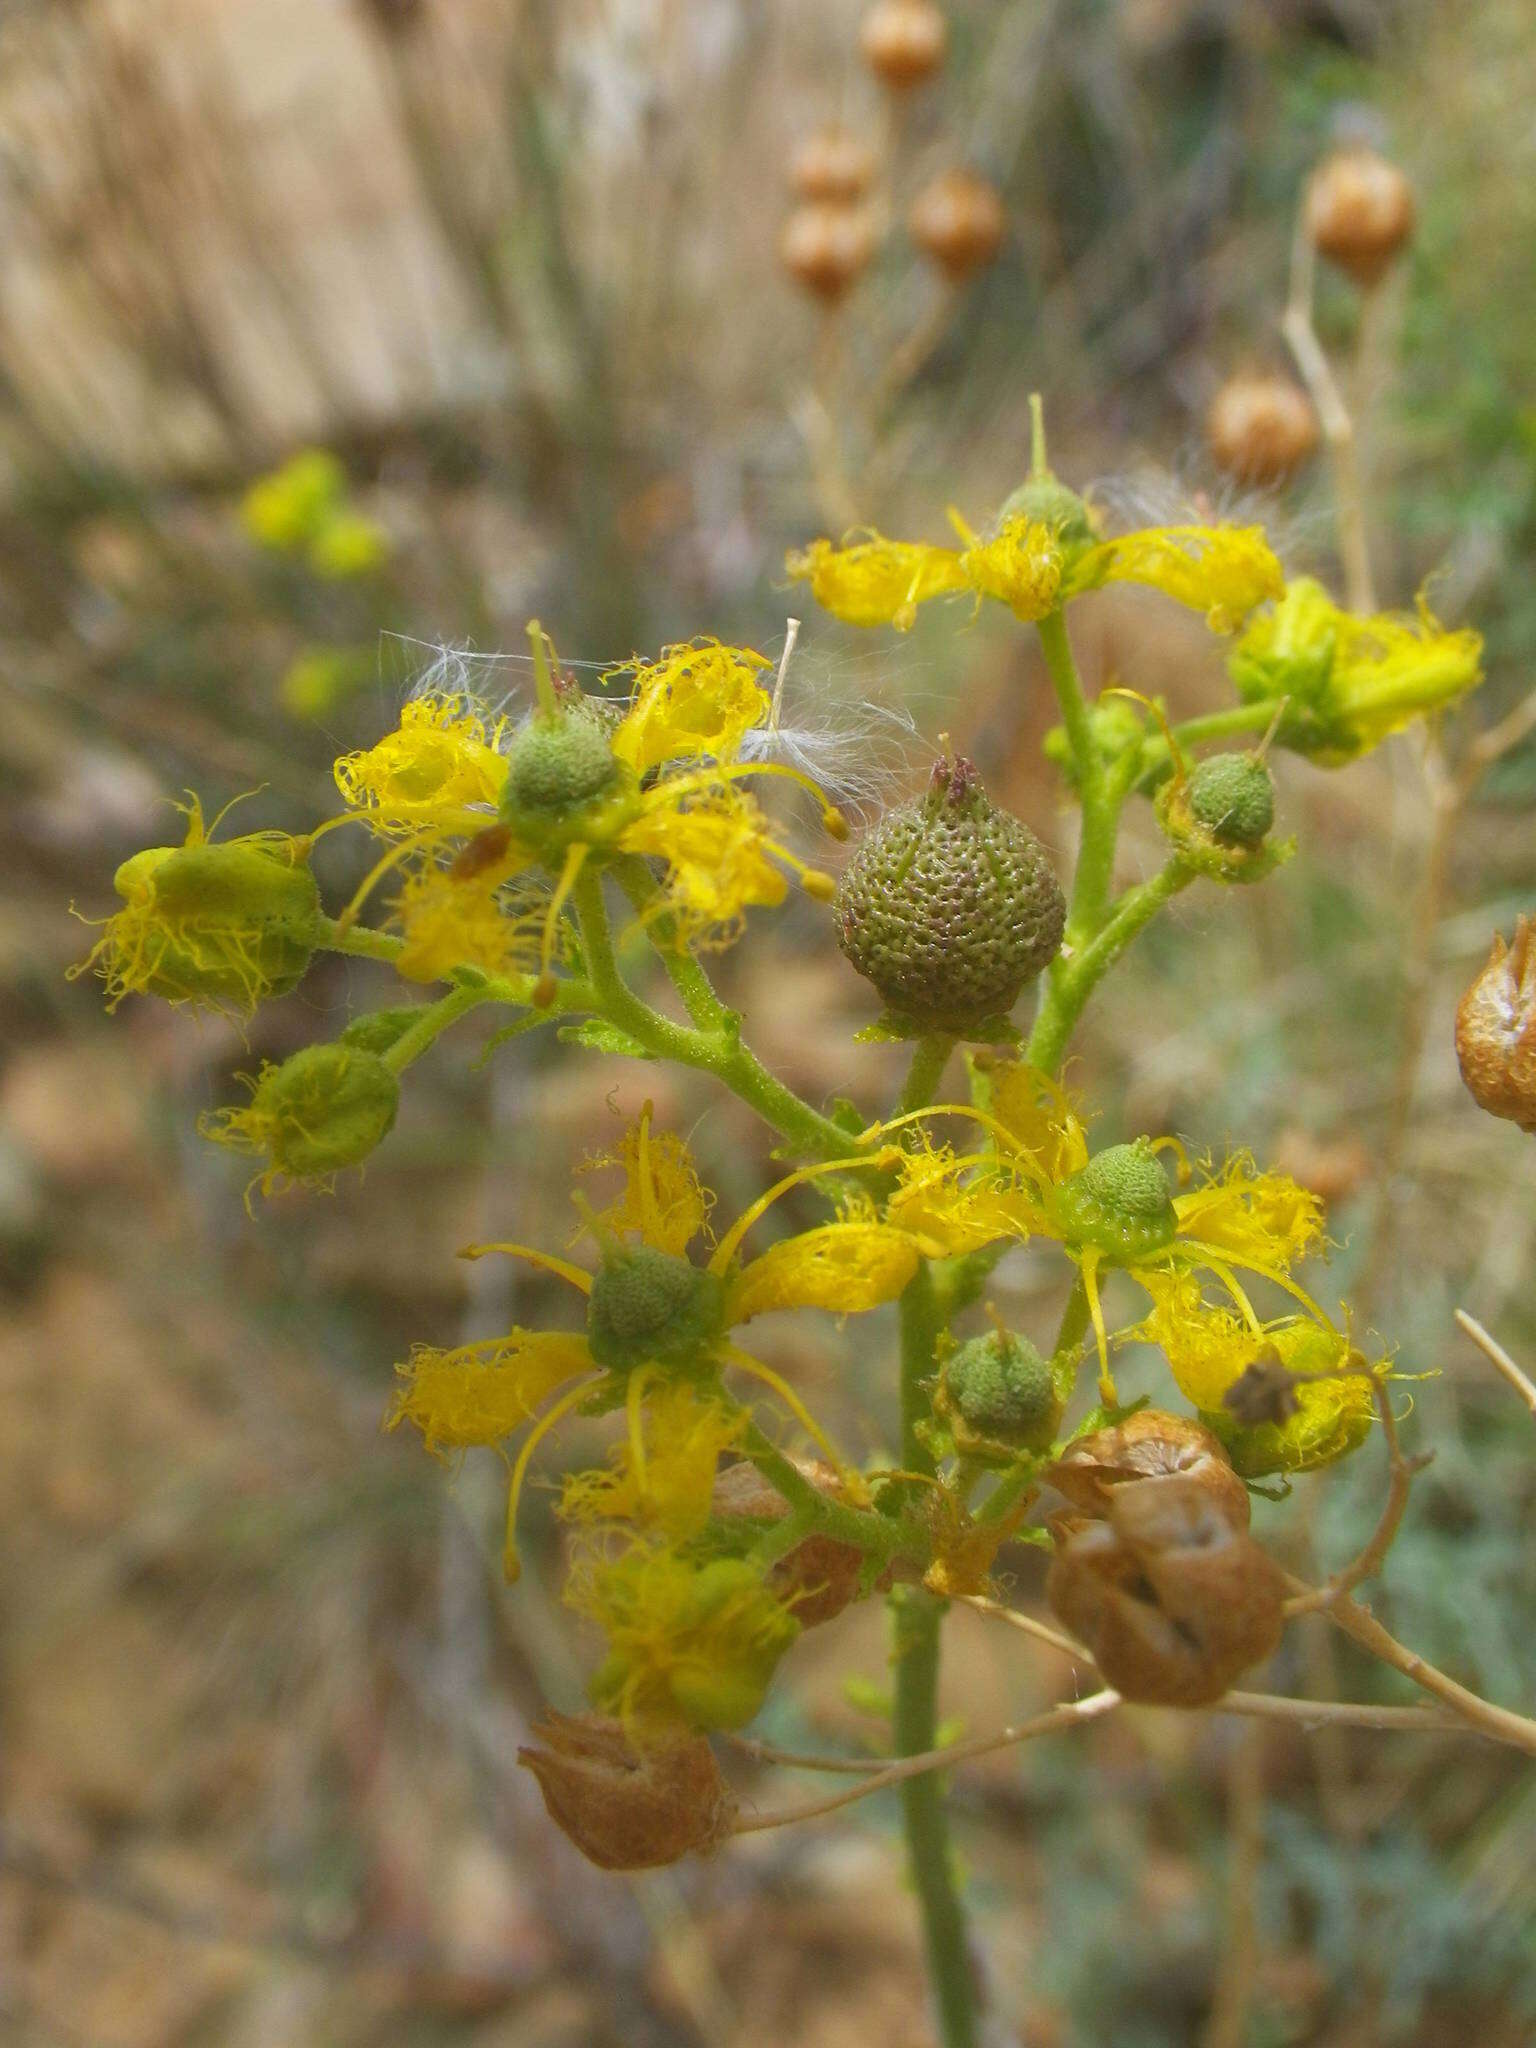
1213,1254
727,1248
1090,1272
563,1267
575,860
511,1563
745,1362
1234,1287
634,1397
645,1178
378,871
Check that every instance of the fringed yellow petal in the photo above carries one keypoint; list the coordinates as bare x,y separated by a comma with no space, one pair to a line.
1351,682
663,1202
693,700
1264,1218
952,1202
447,922
1040,1116
480,1393
667,1482
1208,1349
1222,571
716,847
846,1267
1020,565
872,581
690,1644
441,758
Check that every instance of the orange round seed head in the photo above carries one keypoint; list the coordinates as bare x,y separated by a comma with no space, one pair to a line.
959,221
627,1806
1261,429
832,165
1360,212
824,248
903,41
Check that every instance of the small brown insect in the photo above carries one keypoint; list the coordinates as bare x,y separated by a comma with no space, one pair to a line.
481,852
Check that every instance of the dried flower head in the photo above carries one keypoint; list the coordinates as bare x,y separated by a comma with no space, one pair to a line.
1496,1030
629,1807
1172,1599
1360,211
1149,1448
1261,429
903,41
959,221
833,165
826,246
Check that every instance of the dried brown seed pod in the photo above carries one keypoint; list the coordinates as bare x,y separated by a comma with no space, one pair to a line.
1173,1601
1360,211
1149,1446
903,41
833,165
628,1808
1261,429
1496,1030
959,221
825,247
817,1579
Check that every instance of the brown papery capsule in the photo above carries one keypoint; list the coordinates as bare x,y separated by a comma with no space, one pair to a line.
1153,1448
959,221
1496,1030
1360,211
1172,1601
824,248
833,165
817,1579
627,1807
1261,429
903,41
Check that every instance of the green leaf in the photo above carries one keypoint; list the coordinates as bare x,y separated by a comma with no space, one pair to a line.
598,1035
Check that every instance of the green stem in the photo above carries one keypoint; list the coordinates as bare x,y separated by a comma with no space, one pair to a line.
917,1619
815,1512
359,941
930,1056
435,1019
1100,793
684,972
1070,982
718,1052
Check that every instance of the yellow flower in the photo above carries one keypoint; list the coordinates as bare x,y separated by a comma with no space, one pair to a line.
449,921
1209,1348
656,1319
480,1394
694,701
439,762
284,511
1108,1209
872,581
348,545
223,925
1350,682
1223,571
663,1479
689,1643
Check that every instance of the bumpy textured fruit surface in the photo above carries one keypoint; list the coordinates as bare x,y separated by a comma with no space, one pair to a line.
1118,1203
1002,1388
557,764
1233,797
950,905
651,1306
329,1106
1053,504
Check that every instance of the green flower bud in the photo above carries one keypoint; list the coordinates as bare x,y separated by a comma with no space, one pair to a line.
652,1307
997,1389
323,1109
224,925
950,906
1050,502
1233,797
564,782
1118,1204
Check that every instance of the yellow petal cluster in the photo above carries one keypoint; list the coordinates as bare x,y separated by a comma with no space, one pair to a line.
1223,571
440,760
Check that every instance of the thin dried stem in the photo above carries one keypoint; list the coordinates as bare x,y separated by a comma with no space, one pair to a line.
1401,1472
1498,1723
1498,1358
1070,1714
797,1760
1333,415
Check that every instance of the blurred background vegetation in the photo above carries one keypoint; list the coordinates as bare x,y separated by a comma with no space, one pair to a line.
513,264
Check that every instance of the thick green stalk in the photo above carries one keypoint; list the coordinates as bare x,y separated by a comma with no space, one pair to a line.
434,1019
719,1052
917,1618
1100,792
930,1056
1071,982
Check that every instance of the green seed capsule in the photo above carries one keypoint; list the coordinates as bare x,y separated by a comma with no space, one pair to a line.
1118,1204
651,1307
1002,1390
950,906
1233,797
564,782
